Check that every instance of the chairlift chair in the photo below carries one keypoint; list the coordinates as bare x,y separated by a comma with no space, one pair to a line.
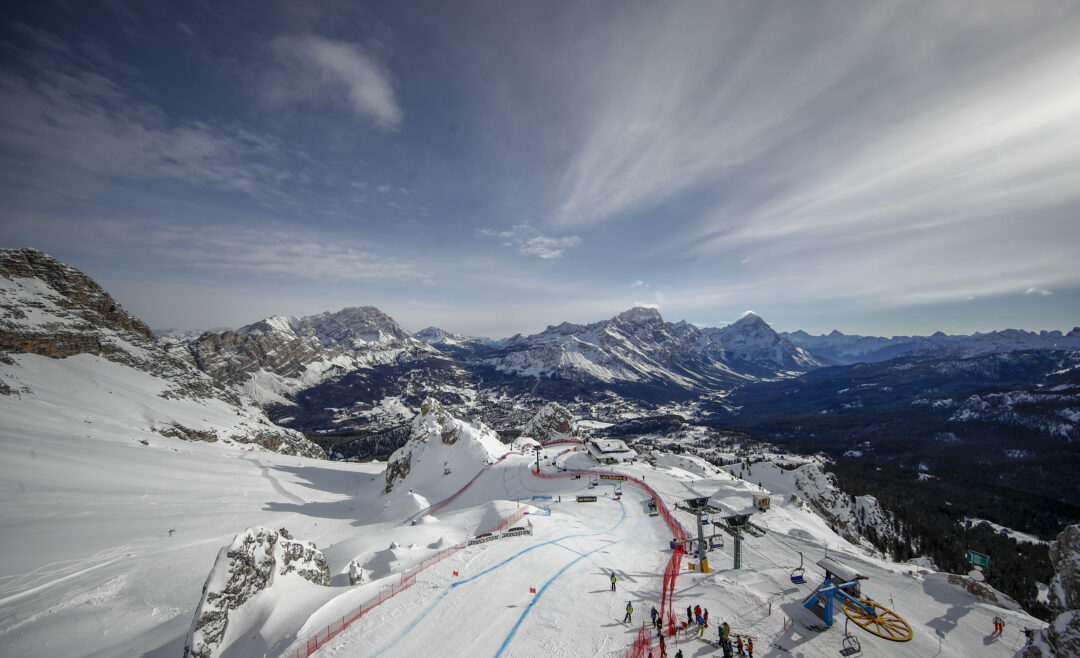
851,646
797,573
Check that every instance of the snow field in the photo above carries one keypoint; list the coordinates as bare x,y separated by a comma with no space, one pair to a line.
488,610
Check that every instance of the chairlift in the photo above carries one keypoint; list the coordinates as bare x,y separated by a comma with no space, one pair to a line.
797,573
716,542
851,646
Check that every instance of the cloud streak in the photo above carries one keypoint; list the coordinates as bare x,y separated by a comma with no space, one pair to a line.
312,70
528,242
71,116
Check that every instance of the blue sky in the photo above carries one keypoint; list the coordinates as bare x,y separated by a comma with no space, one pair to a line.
495,167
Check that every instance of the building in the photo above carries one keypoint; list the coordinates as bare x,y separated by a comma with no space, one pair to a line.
610,451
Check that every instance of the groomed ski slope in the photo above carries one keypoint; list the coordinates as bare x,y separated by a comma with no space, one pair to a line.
108,531
488,611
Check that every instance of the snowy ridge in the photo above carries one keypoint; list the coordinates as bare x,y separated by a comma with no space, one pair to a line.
441,450
68,340
637,346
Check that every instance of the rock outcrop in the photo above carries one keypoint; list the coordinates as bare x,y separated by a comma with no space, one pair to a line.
1062,637
256,559
53,310
553,422
441,452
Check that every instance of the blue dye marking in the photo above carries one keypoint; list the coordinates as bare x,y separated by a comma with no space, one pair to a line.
543,588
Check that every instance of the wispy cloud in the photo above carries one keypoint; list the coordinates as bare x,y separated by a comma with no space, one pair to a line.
316,71
68,112
245,250
902,159
1038,291
527,241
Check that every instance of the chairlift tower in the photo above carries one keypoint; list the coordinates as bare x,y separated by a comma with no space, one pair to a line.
700,508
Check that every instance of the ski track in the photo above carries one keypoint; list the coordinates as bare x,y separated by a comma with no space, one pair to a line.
552,542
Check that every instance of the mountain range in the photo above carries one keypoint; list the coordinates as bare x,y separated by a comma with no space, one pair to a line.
352,379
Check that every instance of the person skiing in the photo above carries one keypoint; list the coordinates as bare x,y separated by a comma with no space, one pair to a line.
654,614
629,609
697,611
706,615
663,649
689,615
612,581
750,647
678,654
725,635
739,645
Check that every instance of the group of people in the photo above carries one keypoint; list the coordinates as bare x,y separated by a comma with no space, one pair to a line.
700,616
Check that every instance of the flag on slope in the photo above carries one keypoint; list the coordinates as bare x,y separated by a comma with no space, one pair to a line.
532,590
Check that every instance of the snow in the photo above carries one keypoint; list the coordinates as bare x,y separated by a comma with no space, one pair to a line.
1022,537
107,543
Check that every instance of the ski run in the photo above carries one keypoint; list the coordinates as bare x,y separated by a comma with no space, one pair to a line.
108,532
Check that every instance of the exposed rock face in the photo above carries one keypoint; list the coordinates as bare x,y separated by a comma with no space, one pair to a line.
1062,637
232,356
54,310
250,564
49,308
553,422
433,442
272,359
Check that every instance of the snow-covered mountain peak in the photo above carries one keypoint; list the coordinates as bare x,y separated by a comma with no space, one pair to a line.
70,340
441,454
273,325
54,309
641,315
752,338
350,328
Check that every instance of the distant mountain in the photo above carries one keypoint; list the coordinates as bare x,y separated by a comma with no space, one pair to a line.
57,324
752,339
838,348
275,358
639,347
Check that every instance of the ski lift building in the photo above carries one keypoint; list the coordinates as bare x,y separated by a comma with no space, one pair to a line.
610,451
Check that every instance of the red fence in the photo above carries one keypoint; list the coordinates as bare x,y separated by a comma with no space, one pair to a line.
641,646
443,503
405,581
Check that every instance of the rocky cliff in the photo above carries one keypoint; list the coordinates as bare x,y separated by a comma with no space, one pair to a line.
49,309
1062,637
442,453
256,559
553,422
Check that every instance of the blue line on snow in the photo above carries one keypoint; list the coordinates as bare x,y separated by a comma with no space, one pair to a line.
543,588
443,594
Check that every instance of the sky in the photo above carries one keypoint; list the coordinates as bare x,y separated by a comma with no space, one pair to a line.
491,168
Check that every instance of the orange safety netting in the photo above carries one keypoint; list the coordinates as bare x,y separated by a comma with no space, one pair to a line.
667,594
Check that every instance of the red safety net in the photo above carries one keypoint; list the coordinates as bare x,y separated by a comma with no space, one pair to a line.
642,643
674,565
406,580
